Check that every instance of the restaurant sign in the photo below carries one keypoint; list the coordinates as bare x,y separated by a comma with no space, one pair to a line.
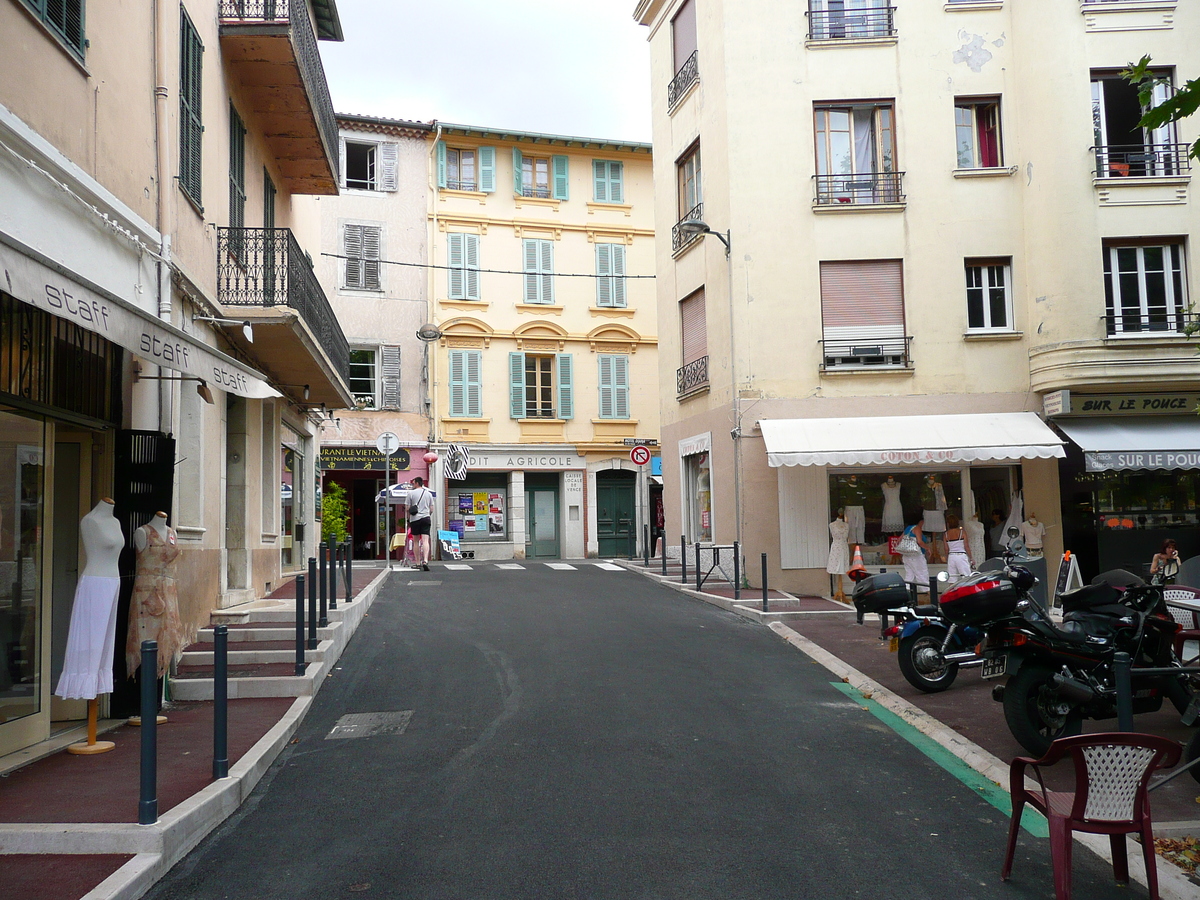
1164,404
362,458
1105,461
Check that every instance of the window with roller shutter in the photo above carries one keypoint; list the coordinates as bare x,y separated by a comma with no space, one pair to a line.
692,375
610,275
463,264
539,271
862,313
466,384
614,386
362,247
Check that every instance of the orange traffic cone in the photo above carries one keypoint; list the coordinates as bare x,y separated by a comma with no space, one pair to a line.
857,571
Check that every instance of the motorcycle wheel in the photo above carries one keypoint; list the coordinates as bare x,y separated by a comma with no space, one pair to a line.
919,659
1190,752
1034,713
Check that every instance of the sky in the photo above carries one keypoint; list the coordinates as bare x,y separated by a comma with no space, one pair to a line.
574,67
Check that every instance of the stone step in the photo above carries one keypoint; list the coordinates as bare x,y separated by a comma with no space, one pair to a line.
242,658
256,633
249,670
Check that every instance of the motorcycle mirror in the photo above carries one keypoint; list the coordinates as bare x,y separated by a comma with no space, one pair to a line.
1013,531
943,577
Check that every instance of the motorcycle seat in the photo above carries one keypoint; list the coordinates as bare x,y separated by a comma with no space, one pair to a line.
1072,631
1089,596
927,612
1102,623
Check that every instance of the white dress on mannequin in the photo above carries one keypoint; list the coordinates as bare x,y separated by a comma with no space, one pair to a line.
839,553
87,666
974,529
893,512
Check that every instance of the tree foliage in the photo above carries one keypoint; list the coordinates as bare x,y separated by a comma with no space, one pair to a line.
1181,104
335,513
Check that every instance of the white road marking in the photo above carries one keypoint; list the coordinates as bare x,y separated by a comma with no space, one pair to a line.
560,566
508,566
608,567
457,567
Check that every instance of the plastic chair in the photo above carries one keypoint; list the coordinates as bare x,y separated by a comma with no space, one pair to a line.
1110,797
1187,618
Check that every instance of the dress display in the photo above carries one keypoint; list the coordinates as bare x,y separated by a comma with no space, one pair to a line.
154,608
893,512
839,553
853,499
975,545
1032,533
933,499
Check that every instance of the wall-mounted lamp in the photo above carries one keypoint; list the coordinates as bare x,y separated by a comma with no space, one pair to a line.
429,333
699,226
201,385
247,328
307,391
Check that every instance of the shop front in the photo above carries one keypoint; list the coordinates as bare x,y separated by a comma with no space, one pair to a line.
360,472
695,460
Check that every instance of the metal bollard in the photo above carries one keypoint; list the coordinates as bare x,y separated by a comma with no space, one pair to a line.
699,578
323,583
1122,665
349,574
683,558
766,590
312,603
220,701
299,624
335,561
933,592
664,559
148,799
737,571
646,545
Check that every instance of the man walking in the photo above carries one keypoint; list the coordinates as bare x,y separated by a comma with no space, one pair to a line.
420,518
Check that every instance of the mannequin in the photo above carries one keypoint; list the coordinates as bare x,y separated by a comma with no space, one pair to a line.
839,553
854,494
975,544
87,667
154,608
1032,533
933,503
893,513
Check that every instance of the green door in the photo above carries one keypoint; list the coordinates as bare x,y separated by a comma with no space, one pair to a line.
615,516
541,521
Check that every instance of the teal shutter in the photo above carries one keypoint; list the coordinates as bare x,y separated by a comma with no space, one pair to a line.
516,385
606,386
620,387
566,396
600,180
474,383
559,165
441,164
458,383
604,281
616,182
608,181
547,270
618,273
471,261
518,165
454,253
487,169
532,284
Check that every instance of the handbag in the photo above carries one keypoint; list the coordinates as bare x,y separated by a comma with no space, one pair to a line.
908,544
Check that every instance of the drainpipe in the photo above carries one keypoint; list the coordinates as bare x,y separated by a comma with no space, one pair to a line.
431,291
164,217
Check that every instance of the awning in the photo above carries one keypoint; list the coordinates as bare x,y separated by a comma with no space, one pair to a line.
153,339
1121,444
908,440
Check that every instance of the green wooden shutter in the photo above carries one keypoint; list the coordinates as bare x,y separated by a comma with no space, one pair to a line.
616,182
237,170
458,383
532,283
518,165
618,273
191,128
352,248
604,281
566,395
372,238
487,169
516,385
471,261
441,164
560,166
620,387
454,253
474,382
546,265
606,386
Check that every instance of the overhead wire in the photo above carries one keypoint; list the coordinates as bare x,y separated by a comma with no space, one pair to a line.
393,262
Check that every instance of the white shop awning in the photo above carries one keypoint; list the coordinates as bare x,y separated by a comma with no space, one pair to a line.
1121,444
909,440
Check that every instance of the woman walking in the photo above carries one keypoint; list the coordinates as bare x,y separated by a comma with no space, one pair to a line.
958,560
912,550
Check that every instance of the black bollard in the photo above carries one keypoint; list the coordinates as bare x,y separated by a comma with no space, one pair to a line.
299,624
646,545
766,590
1122,664
699,577
349,574
148,801
312,603
335,560
323,586
737,571
220,701
664,559
683,559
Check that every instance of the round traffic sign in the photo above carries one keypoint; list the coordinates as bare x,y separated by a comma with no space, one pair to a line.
640,455
387,443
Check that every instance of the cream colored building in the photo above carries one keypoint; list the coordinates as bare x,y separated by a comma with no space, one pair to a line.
935,210
546,362
148,163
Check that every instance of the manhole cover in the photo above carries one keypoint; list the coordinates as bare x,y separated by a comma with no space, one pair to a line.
423,583
358,725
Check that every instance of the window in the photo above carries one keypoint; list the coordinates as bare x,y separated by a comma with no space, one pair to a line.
65,19
191,129
539,271
850,19
989,295
614,386
856,155
237,171
1144,288
466,169
460,170
610,269
693,374
540,176
361,247
862,313
541,386
1123,148
466,384
370,165
364,385
683,48
977,133
463,260
688,172
608,181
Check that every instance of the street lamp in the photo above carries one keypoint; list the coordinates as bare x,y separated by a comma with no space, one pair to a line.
699,226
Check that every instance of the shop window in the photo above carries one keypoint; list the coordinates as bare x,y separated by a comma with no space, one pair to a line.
977,133
697,477
989,295
1144,289
477,508
879,505
862,314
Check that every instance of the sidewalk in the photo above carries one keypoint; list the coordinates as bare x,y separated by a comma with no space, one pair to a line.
68,823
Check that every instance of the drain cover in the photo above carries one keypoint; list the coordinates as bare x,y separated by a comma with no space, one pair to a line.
358,725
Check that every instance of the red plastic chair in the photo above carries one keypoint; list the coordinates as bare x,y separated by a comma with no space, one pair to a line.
1111,775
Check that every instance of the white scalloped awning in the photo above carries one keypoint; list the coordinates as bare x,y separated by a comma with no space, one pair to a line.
909,440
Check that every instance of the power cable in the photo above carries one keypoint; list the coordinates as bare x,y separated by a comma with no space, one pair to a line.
392,262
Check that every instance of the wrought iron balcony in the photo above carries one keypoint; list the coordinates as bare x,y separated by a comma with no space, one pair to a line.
1154,322
271,46
528,190
461,185
884,352
265,267
846,24
864,188
1142,161
681,238
691,377
688,74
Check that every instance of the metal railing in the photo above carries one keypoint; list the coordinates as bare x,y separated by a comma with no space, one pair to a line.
691,376
846,24
1142,160
460,185
541,192
688,74
274,12
266,267
882,352
1164,321
865,188
681,238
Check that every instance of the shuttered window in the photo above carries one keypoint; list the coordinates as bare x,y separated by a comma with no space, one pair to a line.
363,380
370,165
237,170
64,18
191,128
683,33
614,386
540,176
361,247
463,262
539,271
695,327
466,384
541,386
608,177
389,371
469,169
862,312
610,275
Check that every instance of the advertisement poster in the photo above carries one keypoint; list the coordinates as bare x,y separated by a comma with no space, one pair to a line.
496,503
465,503
481,503
481,523
468,523
457,526
496,523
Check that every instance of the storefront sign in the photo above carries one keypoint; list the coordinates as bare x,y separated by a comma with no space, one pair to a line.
1128,404
1056,403
525,461
364,458
1146,459
701,443
922,457
126,325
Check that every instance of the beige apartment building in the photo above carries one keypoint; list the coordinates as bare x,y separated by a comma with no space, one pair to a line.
164,341
928,243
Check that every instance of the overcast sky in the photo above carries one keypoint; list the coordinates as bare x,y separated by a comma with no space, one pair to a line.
576,67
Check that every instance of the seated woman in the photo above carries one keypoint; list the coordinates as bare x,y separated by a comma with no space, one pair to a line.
1166,561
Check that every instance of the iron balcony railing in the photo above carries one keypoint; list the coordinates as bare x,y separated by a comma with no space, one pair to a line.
530,191
460,185
894,352
846,24
688,74
681,238
1142,161
1160,321
265,267
691,376
280,12
863,188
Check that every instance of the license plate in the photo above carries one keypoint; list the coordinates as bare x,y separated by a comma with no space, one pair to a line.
894,644
995,666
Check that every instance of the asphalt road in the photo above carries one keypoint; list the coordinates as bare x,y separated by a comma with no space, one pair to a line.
588,734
